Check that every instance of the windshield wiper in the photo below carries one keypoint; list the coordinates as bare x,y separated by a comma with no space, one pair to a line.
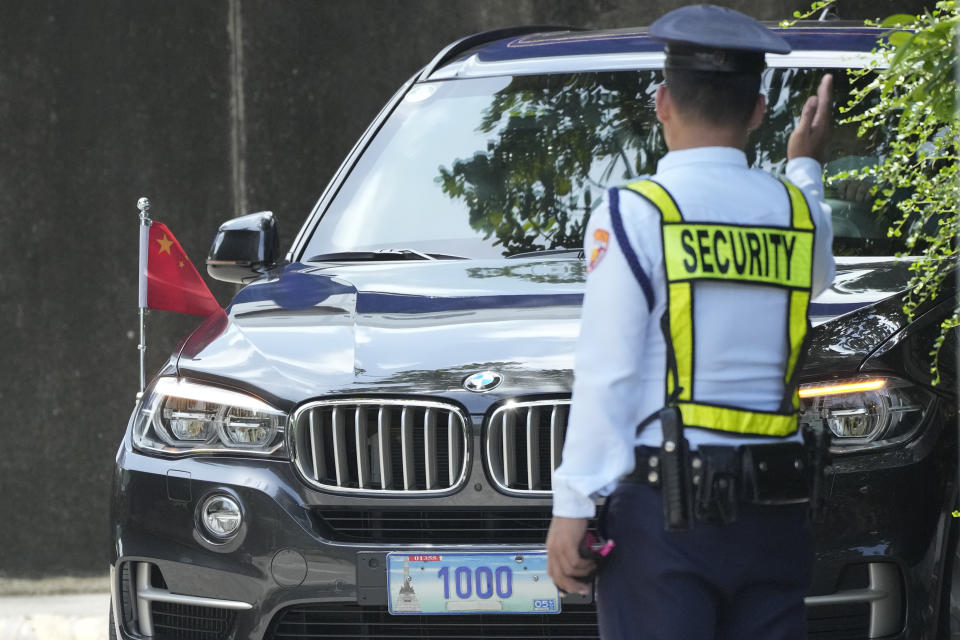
559,251
381,255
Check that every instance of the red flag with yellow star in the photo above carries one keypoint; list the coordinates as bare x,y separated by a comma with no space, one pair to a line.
168,280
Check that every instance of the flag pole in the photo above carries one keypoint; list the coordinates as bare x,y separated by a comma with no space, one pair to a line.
143,204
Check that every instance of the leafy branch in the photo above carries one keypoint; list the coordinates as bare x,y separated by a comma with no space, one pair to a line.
817,7
910,89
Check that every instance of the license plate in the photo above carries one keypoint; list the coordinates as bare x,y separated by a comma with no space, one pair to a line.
460,583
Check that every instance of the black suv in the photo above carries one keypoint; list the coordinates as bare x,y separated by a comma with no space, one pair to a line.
368,436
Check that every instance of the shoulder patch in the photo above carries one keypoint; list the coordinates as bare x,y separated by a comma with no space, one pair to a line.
601,240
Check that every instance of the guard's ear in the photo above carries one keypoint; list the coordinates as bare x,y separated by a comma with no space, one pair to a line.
759,111
664,104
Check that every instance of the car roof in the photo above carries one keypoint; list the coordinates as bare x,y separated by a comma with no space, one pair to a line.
556,49
554,44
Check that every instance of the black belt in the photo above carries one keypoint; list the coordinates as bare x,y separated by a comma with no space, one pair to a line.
722,476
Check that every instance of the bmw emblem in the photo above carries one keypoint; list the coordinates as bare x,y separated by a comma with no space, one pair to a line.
483,381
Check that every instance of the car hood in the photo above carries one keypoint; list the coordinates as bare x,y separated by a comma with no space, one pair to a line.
422,327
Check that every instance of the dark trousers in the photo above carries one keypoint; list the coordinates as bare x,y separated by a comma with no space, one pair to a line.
742,581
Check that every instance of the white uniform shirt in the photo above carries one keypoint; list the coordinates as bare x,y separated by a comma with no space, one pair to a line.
740,331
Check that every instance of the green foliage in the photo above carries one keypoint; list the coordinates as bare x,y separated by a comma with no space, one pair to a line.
816,7
910,90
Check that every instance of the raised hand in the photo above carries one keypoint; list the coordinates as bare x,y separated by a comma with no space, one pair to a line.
810,137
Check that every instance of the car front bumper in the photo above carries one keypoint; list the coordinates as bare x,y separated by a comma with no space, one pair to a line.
881,553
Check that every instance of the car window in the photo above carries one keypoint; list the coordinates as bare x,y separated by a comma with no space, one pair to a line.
487,167
857,229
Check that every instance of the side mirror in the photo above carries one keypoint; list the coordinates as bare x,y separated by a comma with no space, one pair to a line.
244,248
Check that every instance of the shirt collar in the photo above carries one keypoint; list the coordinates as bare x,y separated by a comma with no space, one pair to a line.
712,155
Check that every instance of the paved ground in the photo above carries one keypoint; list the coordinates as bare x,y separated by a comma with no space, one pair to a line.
54,617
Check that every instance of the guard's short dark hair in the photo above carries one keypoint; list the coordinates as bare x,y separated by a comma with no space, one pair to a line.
722,99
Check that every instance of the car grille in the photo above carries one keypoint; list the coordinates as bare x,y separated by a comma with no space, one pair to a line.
839,622
524,441
351,621
173,621
381,446
507,525
342,620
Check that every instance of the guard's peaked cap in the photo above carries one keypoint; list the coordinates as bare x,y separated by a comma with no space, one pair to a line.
709,38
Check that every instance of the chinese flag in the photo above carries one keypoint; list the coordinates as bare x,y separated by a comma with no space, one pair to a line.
168,280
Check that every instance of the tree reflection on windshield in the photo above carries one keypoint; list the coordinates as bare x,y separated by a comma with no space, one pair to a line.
559,142
555,143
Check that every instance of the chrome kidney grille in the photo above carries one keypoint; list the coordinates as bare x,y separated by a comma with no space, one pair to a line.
380,446
524,441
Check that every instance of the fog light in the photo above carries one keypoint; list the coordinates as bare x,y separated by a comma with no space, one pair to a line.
221,516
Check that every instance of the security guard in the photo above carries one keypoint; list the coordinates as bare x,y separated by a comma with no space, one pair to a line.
693,325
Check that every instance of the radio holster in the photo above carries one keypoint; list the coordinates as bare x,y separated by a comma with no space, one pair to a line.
774,473
716,478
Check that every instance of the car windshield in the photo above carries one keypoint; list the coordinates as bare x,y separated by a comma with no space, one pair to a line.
499,166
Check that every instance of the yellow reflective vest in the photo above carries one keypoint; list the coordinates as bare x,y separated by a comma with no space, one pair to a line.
746,255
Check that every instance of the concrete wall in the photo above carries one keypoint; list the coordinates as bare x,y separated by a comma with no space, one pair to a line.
212,109
99,103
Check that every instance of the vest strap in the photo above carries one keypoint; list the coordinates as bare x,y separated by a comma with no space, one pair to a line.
739,421
799,304
659,197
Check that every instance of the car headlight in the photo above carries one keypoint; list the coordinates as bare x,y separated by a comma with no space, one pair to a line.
180,416
865,411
